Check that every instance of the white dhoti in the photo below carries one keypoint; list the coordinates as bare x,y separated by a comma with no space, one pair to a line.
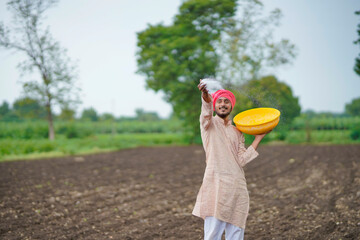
214,228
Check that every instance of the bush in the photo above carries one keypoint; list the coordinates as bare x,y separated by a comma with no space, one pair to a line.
73,130
355,133
46,147
35,132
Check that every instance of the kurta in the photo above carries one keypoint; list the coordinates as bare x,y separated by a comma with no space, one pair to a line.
223,193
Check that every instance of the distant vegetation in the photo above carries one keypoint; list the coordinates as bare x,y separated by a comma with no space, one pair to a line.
30,109
25,139
42,54
24,131
83,129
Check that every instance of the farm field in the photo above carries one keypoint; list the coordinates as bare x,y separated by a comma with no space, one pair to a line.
296,192
28,139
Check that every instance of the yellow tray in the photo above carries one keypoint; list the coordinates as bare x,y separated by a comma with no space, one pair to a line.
257,120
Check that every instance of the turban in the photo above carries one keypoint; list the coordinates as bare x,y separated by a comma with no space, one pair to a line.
224,93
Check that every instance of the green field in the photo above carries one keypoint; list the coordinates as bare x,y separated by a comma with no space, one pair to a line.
81,129
11,149
24,140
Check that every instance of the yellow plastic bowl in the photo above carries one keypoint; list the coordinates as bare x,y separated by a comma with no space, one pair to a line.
257,120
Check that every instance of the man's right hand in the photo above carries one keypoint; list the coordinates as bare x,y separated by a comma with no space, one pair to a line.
202,87
205,93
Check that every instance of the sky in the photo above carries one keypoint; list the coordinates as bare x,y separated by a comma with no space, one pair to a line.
101,37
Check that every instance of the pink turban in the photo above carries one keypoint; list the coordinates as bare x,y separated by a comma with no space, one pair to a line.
224,93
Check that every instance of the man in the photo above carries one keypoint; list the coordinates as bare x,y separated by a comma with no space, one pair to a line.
223,199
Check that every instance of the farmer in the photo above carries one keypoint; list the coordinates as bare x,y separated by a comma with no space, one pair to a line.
223,199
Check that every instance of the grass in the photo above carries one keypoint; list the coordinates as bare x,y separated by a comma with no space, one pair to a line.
13,149
320,137
80,129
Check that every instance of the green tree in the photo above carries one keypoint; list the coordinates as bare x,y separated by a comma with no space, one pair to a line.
268,92
4,109
357,60
247,48
173,58
208,40
146,116
7,114
107,117
29,108
56,84
89,114
67,114
353,108
310,113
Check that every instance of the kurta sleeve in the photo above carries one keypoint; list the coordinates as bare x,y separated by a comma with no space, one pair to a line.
206,113
245,155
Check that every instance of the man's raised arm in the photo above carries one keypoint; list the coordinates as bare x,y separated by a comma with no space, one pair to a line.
206,107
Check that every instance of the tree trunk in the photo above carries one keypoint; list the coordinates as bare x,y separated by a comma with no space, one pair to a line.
50,122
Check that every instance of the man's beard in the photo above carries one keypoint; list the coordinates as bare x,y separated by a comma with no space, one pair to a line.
223,115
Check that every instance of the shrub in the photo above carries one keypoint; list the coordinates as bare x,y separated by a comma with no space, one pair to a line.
46,147
355,133
71,132
280,135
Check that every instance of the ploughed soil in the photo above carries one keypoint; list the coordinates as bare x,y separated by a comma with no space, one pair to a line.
296,192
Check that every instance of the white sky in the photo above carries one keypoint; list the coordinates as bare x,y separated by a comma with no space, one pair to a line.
101,36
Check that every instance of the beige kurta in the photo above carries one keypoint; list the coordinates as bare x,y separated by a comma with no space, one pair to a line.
223,193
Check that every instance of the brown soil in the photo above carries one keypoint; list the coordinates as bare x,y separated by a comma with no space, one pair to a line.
296,192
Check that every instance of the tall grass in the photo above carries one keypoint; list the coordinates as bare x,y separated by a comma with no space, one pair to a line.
23,148
325,123
24,139
81,129
324,136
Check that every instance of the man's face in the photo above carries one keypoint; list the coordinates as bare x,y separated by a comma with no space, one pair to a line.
223,107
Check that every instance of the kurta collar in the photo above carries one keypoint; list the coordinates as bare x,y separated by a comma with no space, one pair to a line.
220,120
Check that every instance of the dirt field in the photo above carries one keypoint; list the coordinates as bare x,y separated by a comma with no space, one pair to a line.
296,192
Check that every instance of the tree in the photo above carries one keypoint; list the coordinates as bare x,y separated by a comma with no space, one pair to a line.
268,92
67,114
208,40
357,60
6,113
173,58
353,108
43,54
142,115
107,117
247,49
89,114
29,108
4,109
